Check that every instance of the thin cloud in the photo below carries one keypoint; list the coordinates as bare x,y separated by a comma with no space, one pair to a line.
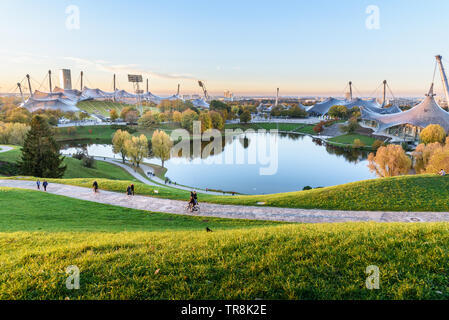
126,69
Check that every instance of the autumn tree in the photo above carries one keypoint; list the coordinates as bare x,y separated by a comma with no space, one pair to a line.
340,112
161,146
149,119
118,143
40,153
113,115
389,161
245,117
137,149
433,133
206,122
177,116
187,119
217,120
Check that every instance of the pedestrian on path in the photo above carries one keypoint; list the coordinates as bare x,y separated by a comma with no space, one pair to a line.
132,189
38,184
45,184
129,192
95,186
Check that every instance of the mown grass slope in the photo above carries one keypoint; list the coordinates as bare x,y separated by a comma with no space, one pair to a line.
75,168
131,254
26,210
404,193
280,262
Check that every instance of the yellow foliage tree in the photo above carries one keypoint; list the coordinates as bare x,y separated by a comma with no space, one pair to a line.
357,144
137,149
118,143
177,116
161,146
389,161
433,133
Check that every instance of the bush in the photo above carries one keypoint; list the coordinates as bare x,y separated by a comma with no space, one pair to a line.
89,162
377,144
318,128
357,144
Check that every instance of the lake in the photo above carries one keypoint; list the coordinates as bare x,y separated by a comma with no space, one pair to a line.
258,163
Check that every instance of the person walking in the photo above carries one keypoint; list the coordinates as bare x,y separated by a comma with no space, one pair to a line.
132,189
129,192
38,184
95,186
45,184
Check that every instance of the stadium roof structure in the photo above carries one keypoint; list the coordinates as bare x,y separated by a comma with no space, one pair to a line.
425,113
200,103
371,105
66,100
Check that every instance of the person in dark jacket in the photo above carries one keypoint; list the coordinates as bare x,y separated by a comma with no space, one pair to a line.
95,186
38,184
45,184
132,189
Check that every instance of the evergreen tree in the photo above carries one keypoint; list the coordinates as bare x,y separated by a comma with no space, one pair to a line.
40,152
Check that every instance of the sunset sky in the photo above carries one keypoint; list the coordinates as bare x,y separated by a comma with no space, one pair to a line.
248,47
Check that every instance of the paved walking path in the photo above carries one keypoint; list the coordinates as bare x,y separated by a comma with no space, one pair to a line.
151,180
230,211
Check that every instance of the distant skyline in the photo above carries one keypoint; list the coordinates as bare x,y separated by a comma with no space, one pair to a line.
247,47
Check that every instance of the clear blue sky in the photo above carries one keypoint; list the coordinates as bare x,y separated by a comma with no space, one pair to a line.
246,46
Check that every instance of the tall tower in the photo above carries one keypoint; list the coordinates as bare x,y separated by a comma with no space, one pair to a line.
277,98
443,78
65,78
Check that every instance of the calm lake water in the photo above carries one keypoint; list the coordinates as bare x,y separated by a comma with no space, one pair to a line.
291,162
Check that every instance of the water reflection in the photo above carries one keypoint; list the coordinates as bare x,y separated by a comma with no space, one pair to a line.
302,161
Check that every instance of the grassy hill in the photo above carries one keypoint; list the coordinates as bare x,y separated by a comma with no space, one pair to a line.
75,168
404,193
130,254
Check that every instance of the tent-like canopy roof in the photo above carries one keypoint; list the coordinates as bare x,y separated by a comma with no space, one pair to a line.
323,107
425,113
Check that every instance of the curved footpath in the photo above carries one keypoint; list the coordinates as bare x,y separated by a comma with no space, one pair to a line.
153,181
229,211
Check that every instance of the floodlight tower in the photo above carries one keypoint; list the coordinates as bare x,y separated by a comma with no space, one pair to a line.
443,78
114,80
135,80
179,90
203,86
29,85
81,86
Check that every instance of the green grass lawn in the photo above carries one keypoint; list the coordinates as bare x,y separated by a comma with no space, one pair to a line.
103,108
348,139
405,193
31,211
104,134
131,254
75,168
